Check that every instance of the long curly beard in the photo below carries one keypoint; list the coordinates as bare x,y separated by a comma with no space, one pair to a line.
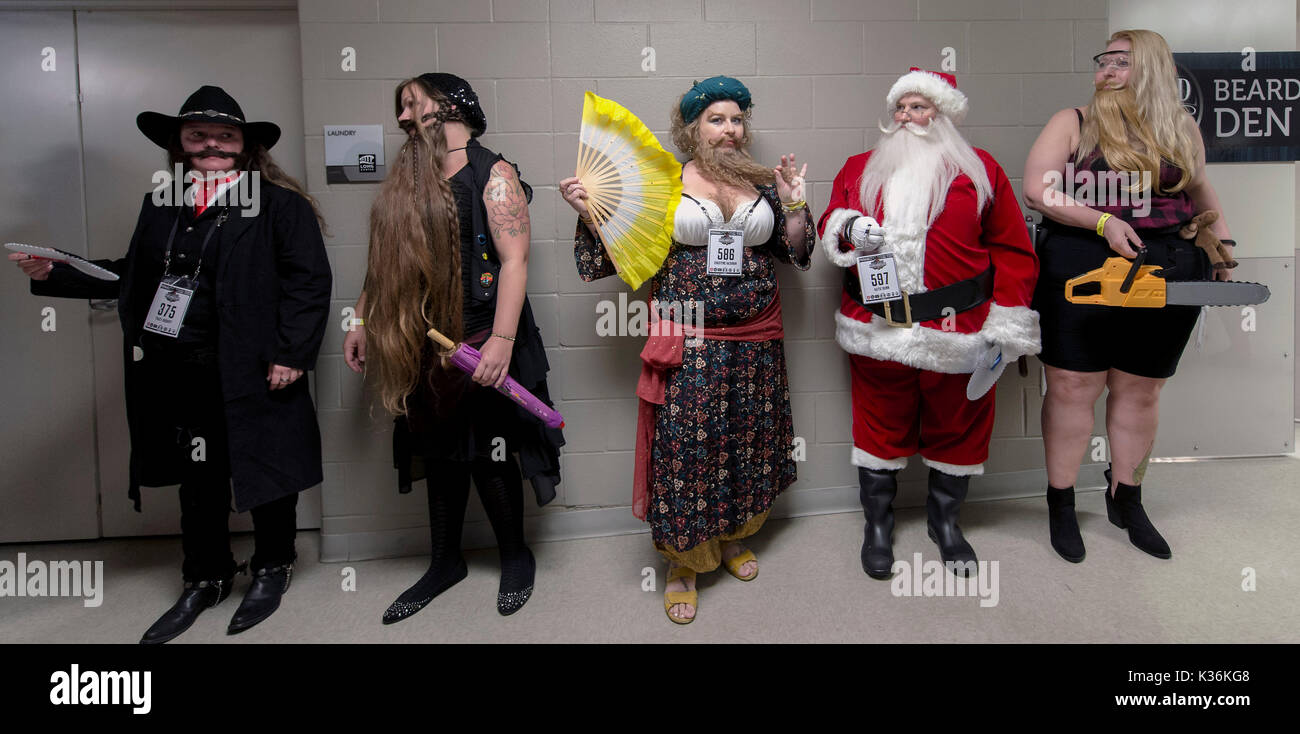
733,166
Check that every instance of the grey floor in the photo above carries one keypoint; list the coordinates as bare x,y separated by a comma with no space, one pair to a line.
1220,517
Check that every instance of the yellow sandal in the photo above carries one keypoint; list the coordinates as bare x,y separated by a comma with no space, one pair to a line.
673,598
734,563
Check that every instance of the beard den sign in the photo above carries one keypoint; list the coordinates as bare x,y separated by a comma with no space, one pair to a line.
1243,102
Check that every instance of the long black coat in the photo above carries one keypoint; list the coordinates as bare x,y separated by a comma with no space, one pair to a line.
272,298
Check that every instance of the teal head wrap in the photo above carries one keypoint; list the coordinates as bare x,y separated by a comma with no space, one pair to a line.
712,90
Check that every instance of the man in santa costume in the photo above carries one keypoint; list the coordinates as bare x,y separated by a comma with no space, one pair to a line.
928,227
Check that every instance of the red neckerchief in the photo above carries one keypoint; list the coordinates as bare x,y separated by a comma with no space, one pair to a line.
206,189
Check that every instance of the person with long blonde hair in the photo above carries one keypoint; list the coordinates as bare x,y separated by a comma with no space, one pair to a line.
714,430
449,239
1115,177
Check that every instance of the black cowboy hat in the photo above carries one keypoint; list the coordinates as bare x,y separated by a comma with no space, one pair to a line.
208,104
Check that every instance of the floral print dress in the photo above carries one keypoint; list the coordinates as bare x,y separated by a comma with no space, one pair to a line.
723,437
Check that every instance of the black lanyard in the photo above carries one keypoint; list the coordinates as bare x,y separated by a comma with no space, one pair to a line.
167,257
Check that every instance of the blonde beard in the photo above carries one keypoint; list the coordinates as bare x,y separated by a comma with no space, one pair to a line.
732,166
1113,121
914,171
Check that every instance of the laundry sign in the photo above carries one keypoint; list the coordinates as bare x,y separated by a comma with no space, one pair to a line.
354,153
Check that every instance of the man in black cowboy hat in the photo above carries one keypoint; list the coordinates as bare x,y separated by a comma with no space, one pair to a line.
223,303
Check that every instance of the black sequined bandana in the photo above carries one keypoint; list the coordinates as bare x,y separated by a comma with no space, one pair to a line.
468,110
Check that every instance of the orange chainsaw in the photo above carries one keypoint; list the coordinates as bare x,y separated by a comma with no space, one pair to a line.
1119,282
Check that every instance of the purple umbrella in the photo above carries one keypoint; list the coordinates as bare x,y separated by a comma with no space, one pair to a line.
467,358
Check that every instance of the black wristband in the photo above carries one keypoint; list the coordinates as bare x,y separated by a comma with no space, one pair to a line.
1229,242
846,232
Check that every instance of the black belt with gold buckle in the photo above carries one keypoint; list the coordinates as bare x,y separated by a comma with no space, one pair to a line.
960,296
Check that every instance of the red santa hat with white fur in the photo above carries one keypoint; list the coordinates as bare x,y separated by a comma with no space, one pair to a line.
936,86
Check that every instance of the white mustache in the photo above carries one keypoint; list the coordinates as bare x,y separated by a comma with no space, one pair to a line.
917,130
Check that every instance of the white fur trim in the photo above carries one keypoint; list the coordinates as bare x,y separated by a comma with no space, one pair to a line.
908,246
948,99
957,470
831,238
949,352
1015,328
871,461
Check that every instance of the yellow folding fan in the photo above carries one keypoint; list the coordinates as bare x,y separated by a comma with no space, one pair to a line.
633,186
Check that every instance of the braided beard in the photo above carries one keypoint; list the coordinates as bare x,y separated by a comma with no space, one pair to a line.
413,279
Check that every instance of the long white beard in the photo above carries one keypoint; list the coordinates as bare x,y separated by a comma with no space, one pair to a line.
913,167
910,171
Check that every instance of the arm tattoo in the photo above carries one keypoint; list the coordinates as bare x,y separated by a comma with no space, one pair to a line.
507,207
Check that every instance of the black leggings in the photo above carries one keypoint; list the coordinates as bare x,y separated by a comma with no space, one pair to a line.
501,491
499,488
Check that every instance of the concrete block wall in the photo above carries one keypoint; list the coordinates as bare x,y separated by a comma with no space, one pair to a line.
819,71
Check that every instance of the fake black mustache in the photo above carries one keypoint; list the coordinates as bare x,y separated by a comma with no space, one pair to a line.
408,125
212,152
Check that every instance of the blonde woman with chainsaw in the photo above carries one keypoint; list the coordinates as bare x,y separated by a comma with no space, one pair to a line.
1132,165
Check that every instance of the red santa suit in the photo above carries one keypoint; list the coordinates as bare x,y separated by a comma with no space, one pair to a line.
909,384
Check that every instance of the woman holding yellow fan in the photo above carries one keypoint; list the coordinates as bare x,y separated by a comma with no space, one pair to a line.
714,434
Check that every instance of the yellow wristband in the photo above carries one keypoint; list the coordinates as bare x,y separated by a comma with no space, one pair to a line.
1101,224
358,322
794,206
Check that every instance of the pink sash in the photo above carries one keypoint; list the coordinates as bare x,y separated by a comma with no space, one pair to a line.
662,352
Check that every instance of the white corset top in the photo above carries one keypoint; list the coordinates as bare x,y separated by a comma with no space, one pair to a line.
695,217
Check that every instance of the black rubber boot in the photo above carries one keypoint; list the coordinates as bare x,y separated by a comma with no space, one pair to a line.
197,596
1064,525
262,598
947,492
877,490
1125,511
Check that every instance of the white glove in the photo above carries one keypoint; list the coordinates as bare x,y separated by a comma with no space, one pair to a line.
865,233
1011,352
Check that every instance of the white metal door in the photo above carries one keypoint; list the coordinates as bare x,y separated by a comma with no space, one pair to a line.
47,485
